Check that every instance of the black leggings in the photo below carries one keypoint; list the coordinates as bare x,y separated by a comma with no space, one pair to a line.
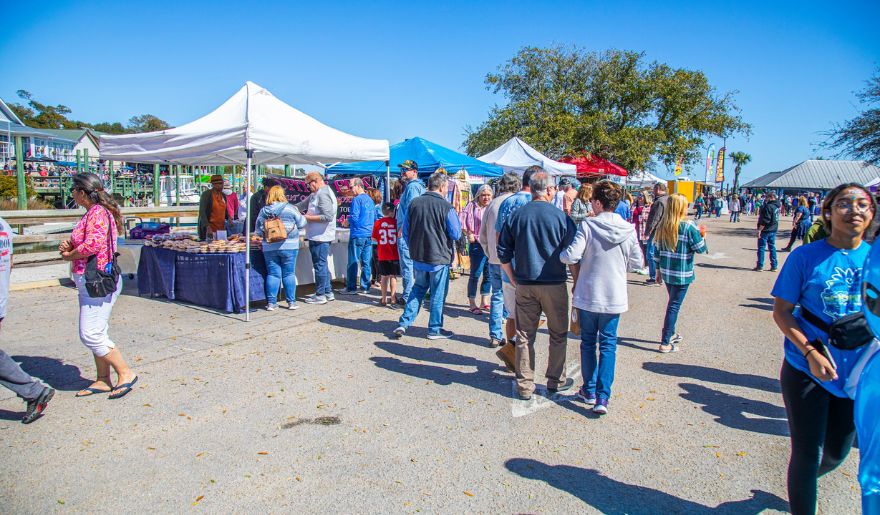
822,431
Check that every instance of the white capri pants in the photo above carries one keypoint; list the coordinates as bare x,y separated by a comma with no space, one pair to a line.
94,317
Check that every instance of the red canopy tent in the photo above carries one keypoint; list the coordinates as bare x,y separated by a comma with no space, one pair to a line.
590,165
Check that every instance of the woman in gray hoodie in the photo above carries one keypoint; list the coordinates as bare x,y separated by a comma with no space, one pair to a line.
280,256
605,246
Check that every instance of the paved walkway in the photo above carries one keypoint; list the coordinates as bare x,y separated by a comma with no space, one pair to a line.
316,409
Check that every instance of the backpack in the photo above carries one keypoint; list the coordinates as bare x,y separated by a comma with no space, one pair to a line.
274,230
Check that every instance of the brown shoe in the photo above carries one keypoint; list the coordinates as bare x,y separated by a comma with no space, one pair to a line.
507,354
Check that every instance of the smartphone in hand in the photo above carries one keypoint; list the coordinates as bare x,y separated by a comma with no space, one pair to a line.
822,349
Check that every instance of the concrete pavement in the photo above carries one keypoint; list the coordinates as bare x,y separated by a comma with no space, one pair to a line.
316,409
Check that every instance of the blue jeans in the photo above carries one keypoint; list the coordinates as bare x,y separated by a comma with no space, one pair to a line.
767,239
360,252
437,282
406,267
319,251
497,313
598,375
699,212
478,265
676,297
281,267
652,266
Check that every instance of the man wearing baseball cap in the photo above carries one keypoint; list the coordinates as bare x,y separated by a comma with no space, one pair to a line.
413,188
212,208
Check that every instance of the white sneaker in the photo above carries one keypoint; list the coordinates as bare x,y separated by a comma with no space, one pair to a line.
399,332
676,338
292,305
317,299
271,307
442,335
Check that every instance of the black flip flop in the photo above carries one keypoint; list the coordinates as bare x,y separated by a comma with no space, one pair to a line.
124,387
92,391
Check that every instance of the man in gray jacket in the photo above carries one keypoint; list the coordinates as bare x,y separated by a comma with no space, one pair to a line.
320,212
651,224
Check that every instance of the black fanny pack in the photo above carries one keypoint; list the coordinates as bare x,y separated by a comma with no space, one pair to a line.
846,333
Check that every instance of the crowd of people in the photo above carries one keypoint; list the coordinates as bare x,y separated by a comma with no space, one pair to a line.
527,240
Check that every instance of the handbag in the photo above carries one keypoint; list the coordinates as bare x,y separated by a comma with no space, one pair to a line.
846,333
101,283
274,230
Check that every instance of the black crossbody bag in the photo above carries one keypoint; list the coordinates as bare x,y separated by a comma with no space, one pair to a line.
98,282
846,333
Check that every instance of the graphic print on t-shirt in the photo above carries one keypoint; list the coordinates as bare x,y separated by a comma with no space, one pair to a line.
841,294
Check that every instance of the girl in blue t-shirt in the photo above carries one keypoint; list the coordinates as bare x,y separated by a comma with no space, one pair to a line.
825,278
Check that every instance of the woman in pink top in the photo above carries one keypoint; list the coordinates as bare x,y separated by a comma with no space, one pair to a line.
471,218
95,235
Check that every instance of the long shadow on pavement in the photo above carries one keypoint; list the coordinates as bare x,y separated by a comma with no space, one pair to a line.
763,303
618,498
714,375
731,410
53,372
481,379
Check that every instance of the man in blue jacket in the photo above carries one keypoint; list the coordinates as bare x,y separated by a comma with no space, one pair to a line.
361,217
528,248
409,174
430,227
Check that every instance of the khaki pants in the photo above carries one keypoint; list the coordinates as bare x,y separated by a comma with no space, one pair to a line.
531,300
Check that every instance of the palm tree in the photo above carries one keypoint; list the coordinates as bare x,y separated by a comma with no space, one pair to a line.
740,159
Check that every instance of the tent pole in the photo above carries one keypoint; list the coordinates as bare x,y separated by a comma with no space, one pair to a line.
387,181
247,238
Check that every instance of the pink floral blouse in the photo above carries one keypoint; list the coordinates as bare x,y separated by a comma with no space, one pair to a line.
90,236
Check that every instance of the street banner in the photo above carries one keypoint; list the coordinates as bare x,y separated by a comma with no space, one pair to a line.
710,156
678,165
719,170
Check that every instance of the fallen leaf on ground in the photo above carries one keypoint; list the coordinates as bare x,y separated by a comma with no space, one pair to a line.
468,493
199,498
263,453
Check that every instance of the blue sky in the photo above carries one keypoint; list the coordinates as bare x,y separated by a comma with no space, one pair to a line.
399,69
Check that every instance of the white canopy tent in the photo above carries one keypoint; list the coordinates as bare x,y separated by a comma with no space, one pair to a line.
516,155
643,180
251,128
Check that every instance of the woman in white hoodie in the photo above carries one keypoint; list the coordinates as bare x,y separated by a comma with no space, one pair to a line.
606,246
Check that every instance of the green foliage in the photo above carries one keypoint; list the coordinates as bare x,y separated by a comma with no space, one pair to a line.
146,123
739,159
613,104
860,136
9,187
43,116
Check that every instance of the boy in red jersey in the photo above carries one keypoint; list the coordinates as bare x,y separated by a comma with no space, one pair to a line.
385,234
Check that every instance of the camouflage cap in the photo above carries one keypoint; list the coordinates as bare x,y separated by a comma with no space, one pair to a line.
409,164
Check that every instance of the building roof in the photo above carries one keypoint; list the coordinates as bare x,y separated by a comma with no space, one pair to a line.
818,174
74,134
762,181
11,123
8,115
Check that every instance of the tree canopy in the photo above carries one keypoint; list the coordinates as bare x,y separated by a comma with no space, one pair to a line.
613,104
44,116
860,136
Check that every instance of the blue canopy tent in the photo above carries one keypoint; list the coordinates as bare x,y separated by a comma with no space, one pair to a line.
429,157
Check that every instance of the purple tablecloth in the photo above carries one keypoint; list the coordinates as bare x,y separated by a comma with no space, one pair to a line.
211,280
